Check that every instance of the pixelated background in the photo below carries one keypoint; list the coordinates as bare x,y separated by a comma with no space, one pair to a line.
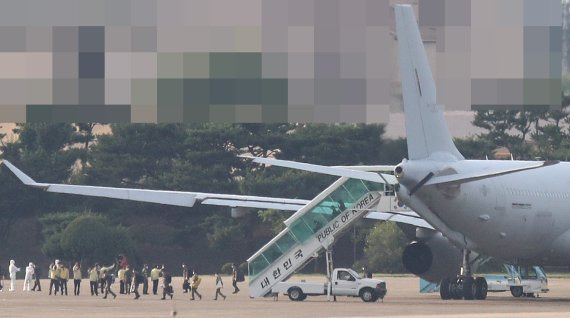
266,60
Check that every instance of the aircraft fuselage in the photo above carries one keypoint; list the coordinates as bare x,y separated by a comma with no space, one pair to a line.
521,217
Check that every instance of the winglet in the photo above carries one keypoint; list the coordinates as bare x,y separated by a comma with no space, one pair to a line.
22,176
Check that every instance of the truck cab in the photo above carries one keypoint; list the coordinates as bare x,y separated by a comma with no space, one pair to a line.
344,282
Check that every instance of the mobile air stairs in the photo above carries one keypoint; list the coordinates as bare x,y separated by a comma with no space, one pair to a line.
312,230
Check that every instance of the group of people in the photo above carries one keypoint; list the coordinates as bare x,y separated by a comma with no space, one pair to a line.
32,275
101,278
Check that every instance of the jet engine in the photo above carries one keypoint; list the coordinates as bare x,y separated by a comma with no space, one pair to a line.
432,258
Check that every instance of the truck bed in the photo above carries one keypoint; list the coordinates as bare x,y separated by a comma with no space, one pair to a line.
307,288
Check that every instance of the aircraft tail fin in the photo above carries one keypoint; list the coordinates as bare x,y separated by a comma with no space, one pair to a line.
426,129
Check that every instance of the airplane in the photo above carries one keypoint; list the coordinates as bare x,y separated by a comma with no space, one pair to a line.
514,211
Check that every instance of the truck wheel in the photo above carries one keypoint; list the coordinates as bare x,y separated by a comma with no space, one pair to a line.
516,291
296,294
367,295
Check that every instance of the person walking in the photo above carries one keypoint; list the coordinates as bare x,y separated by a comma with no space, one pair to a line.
128,280
53,283
102,281
121,277
76,278
12,269
196,280
154,276
185,278
37,277
236,277
109,278
64,277
94,279
166,284
145,273
29,276
138,279
219,286
1,278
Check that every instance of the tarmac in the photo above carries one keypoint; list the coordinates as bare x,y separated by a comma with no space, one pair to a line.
403,300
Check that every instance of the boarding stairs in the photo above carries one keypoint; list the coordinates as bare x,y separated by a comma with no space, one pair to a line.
310,231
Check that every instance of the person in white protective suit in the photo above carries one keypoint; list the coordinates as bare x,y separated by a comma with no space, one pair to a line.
12,269
29,277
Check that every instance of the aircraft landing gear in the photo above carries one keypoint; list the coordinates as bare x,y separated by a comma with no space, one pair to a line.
465,286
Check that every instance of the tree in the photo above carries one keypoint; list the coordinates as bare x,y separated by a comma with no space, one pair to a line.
84,237
384,247
38,146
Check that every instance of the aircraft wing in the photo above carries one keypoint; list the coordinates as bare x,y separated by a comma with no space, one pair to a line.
335,171
178,198
404,217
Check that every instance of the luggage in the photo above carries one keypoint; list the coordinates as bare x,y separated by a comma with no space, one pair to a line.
240,277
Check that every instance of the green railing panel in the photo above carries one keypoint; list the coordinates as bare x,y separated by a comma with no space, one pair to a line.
258,265
342,196
356,188
286,242
374,186
315,221
272,253
301,231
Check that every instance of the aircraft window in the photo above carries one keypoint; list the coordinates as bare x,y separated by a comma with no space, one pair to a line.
344,275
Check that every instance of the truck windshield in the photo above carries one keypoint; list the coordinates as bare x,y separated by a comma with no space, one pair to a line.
353,273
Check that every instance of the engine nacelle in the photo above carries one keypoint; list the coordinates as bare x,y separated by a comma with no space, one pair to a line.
433,259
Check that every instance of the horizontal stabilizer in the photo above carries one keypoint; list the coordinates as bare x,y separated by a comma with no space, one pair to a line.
334,171
468,177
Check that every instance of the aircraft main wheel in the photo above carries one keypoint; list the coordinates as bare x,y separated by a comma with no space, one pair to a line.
480,288
456,289
517,291
296,294
445,289
469,288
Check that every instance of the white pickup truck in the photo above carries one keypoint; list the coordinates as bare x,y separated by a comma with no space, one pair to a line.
345,282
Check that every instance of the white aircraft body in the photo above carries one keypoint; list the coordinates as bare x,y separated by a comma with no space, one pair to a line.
515,211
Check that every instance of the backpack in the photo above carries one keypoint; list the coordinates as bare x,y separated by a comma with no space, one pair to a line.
239,276
167,278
